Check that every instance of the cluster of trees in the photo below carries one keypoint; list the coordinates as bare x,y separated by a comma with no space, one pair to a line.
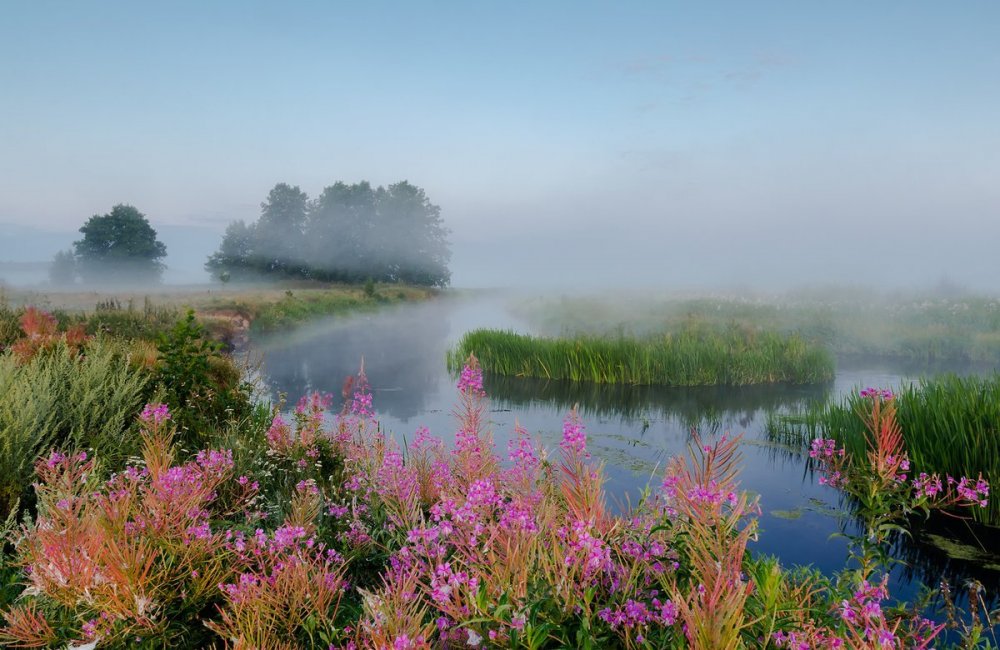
350,233
117,247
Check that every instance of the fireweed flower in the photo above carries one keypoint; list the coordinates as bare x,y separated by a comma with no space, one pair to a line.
574,438
471,380
279,434
927,486
971,492
361,400
155,414
881,393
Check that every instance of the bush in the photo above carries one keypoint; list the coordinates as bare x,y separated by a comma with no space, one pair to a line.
64,400
198,382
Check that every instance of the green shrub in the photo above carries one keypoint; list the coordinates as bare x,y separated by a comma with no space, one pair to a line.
61,400
200,384
10,327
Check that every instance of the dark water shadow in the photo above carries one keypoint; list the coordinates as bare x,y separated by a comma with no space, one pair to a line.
696,406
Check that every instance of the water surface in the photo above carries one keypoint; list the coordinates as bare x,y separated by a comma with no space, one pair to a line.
633,430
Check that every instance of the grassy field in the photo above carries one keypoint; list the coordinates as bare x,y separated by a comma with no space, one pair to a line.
695,356
227,311
921,327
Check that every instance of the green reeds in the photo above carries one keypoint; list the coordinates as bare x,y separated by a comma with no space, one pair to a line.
951,425
694,356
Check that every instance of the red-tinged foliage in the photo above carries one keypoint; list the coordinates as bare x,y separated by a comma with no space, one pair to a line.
41,333
26,627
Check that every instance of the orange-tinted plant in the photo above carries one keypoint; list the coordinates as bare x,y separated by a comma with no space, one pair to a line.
41,333
715,518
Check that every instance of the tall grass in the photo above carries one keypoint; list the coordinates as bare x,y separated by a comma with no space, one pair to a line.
951,425
59,399
109,317
695,356
271,312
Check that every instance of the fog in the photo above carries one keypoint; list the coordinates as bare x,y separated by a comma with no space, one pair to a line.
664,145
598,258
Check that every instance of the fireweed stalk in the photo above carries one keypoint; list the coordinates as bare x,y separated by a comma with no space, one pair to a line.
134,557
716,521
886,494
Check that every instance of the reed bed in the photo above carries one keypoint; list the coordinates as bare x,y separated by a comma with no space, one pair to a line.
694,356
951,425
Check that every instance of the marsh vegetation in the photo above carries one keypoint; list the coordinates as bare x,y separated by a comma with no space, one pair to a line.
263,526
692,356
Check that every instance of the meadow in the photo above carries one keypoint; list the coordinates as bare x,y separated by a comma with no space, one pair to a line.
227,311
693,356
919,326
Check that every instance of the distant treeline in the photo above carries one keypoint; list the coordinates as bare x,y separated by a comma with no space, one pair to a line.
350,233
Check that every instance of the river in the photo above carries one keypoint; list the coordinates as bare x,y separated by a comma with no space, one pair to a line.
634,431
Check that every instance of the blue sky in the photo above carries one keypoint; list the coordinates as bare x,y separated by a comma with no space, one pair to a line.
655,136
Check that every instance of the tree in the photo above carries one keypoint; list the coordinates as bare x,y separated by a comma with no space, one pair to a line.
339,232
411,240
62,271
234,257
278,233
119,246
351,233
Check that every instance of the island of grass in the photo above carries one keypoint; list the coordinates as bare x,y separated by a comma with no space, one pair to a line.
692,356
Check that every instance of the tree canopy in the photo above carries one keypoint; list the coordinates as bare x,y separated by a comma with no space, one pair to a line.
119,246
62,271
350,233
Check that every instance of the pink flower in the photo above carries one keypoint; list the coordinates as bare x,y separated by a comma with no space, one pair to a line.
574,438
471,381
154,414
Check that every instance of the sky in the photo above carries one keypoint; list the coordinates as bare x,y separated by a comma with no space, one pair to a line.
567,143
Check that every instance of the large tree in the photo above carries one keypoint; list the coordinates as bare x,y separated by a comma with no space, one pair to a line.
277,235
339,232
235,255
119,246
410,240
351,233
62,271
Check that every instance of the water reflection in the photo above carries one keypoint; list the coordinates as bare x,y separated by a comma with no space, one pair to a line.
402,354
705,408
634,430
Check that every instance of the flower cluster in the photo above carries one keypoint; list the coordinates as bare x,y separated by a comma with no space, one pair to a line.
477,551
154,415
880,393
470,382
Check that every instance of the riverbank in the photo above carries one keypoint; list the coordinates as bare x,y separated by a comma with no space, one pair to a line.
228,312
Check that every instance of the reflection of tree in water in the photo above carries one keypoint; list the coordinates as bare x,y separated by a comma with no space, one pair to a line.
704,407
404,358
